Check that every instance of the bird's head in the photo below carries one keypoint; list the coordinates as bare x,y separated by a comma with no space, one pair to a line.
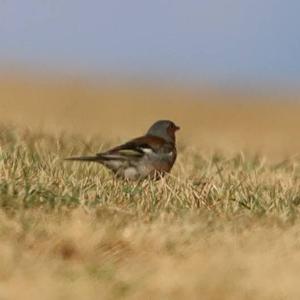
164,129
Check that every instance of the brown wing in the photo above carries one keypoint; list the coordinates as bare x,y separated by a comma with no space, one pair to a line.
137,146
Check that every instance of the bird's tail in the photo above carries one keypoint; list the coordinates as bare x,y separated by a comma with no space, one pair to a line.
84,158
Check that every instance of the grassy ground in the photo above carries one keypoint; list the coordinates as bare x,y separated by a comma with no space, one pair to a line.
224,225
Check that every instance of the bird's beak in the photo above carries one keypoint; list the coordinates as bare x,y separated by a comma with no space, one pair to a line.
177,127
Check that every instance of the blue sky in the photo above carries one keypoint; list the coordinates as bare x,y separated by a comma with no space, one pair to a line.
225,40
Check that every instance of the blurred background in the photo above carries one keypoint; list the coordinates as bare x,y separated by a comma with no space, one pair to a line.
227,71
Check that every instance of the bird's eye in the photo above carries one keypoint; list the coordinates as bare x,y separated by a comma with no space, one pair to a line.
174,127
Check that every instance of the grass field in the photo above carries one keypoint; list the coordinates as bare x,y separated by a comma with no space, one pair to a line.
224,225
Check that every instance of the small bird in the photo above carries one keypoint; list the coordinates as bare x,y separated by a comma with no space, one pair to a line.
151,155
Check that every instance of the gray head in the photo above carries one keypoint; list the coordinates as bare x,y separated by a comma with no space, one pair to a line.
164,129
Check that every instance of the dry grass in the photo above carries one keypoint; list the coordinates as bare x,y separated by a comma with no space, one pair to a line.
224,225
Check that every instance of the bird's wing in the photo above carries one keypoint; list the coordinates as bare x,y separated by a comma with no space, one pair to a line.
135,148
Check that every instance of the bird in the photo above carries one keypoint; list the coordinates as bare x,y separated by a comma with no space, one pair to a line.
149,156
